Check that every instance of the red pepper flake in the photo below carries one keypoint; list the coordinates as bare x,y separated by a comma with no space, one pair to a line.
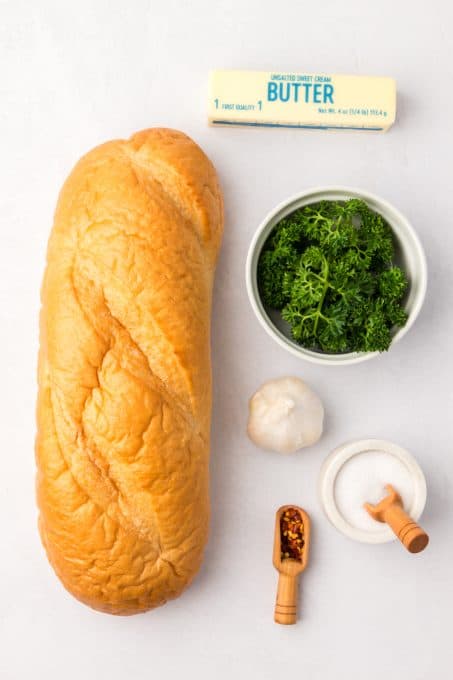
292,535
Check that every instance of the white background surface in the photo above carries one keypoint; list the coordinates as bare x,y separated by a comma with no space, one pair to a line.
73,74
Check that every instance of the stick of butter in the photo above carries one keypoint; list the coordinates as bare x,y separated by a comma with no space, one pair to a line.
301,100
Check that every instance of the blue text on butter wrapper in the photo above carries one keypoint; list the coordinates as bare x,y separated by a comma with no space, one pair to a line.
309,93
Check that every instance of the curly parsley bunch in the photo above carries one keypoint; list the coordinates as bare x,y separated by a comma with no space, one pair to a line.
329,268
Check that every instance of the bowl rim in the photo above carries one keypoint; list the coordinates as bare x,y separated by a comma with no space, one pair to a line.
258,307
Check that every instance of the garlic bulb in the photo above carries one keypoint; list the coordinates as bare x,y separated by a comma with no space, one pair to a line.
285,415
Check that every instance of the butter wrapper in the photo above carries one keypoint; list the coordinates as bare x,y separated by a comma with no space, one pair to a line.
301,100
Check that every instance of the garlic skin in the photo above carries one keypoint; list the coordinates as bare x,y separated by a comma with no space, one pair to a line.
285,415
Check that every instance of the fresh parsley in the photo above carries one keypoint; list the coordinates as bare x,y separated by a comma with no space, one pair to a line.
328,267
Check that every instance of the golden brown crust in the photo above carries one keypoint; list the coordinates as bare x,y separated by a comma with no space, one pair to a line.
124,371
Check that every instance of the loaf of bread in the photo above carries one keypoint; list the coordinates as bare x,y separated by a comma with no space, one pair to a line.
124,371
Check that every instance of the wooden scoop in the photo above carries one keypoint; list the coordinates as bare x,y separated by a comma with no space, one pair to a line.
390,510
289,569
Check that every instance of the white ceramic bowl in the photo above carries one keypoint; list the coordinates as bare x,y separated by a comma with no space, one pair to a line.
340,457
409,255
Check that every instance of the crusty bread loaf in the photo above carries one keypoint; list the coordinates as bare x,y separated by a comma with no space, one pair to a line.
124,371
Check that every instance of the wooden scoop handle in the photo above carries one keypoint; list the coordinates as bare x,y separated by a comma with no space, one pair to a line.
411,535
286,604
